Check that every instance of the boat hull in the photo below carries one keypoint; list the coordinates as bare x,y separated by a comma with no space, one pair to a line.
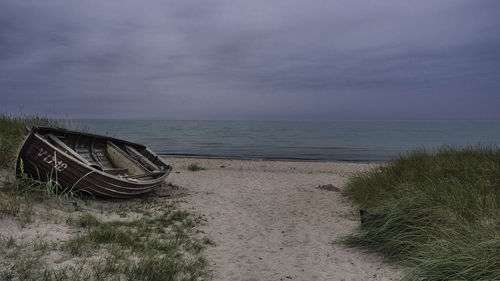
44,161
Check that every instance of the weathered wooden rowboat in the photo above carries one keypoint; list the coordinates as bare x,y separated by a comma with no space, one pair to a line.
99,165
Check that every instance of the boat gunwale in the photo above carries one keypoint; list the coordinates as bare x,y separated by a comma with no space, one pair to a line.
63,130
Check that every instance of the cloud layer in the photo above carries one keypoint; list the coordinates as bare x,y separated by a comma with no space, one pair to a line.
258,59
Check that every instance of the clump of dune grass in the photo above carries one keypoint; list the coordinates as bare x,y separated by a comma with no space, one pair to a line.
12,132
17,198
22,261
193,167
436,214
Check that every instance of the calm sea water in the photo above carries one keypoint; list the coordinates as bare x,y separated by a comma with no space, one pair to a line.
311,140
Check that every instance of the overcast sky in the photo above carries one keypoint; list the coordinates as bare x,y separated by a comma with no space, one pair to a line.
259,59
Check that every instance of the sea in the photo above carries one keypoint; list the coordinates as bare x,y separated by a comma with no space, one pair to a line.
363,141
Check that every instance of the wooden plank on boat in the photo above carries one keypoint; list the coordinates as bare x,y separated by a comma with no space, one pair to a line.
93,154
144,175
101,153
115,171
141,158
67,149
121,159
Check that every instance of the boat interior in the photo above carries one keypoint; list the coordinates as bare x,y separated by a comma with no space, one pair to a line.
125,160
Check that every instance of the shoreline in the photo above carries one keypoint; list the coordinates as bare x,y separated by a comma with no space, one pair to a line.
270,159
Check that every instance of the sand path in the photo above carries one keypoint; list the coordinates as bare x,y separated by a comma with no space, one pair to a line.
270,220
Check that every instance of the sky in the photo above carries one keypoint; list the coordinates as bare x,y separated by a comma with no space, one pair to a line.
251,60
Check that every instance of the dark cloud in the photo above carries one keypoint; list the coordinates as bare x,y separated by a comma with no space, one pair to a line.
251,59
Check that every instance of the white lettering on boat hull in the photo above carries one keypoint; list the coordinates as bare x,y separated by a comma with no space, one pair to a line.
59,165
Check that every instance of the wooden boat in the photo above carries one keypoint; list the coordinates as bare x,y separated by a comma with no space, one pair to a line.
99,165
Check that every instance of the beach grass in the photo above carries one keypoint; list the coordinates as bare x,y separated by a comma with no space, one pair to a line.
194,167
162,247
436,214
165,246
12,132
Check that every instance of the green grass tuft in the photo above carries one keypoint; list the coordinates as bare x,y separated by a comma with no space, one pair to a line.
194,167
84,221
436,214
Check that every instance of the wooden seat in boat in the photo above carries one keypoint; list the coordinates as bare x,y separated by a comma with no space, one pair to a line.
115,171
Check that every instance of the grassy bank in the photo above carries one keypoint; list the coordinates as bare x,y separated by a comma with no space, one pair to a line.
437,215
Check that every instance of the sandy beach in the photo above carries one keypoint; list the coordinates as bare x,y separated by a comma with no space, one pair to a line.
270,220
